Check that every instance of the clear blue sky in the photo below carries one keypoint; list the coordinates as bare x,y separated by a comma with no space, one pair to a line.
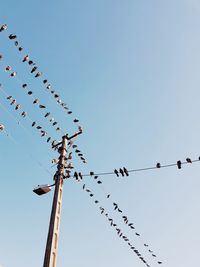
130,72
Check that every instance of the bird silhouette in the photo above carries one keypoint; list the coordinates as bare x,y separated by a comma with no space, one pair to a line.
95,177
99,182
26,58
80,175
36,101
121,171
108,196
48,139
39,127
188,160
75,120
115,205
45,81
179,164
96,201
24,85
84,187
126,171
116,172
47,114
13,74
33,69
159,262
17,107
38,74
9,97
12,36
23,114
42,106
8,68
48,86
91,173
158,165
30,92
20,48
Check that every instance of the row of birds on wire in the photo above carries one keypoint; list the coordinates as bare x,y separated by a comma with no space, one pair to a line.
114,225
124,172
35,100
79,177
36,72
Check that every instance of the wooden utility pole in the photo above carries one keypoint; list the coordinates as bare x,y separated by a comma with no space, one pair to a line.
53,234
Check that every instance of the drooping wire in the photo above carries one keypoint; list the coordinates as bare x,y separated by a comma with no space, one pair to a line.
26,59
17,142
114,225
36,101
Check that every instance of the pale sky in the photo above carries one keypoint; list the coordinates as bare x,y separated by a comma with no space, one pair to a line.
129,70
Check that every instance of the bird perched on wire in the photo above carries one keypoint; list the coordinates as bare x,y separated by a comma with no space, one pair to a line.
24,85
13,102
17,107
26,58
23,114
33,69
47,114
158,165
12,36
33,124
20,48
9,97
8,68
13,74
3,27
179,164
38,74
36,101
42,106
126,171
121,171
116,172
188,160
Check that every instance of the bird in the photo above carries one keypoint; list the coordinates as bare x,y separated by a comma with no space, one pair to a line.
23,114
80,175
54,123
30,62
137,234
17,107
24,85
12,36
158,165
36,101
42,106
126,171
83,186
75,120
43,133
47,114
99,182
26,58
96,201
76,175
33,69
58,129
153,255
69,112
188,160
39,127
91,195
145,245
16,43
48,139
96,176
9,97
56,96
121,171
116,206
119,210
108,196
48,86
30,92
38,74
179,164
80,154
13,102
33,124
3,27
45,81
8,68
20,48
52,91
91,173
159,262
77,151
116,172
13,74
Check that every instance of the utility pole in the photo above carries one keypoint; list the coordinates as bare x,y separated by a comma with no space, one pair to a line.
54,225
